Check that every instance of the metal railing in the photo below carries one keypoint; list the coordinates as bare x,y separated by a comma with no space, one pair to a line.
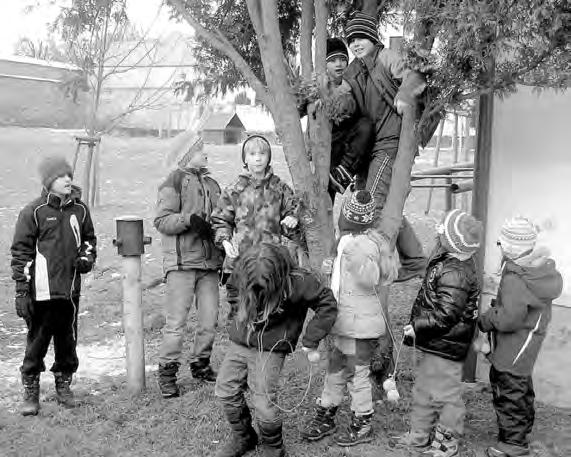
453,183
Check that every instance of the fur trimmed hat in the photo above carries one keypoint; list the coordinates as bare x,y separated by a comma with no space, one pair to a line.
518,236
183,147
262,140
460,232
362,25
357,211
336,48
53,167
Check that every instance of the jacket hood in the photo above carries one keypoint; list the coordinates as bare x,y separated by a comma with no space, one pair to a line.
202,171
538,272
74,195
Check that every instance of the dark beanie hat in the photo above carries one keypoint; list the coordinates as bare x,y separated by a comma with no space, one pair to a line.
357,211
53,167
261,139
336,48
361,25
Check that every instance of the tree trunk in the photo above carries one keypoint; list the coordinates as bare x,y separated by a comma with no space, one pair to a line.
316,214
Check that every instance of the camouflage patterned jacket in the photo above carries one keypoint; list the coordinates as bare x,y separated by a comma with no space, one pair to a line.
249,211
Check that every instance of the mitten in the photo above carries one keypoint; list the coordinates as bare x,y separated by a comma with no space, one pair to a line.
199,226
83,265
23,301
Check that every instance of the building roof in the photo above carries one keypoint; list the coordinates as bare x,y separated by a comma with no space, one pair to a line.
220,121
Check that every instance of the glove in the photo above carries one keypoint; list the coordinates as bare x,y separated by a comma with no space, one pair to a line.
24,305
83,265
199,226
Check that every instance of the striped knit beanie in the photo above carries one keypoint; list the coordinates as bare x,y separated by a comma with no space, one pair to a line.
183,147
336,48
517,236
460,233
357,212
361,25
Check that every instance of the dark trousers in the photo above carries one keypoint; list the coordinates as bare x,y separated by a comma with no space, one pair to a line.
55,319
513,402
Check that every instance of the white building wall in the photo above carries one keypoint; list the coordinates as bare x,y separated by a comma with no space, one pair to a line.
531,175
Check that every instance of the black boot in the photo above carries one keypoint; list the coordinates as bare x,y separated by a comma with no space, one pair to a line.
243,438
272,439
359,431
167,379
64,395
202,371
31,403
321,425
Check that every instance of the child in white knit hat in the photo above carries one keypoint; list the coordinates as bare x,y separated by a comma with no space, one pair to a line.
518,321
442,326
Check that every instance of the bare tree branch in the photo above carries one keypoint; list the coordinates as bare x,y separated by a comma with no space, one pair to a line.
218,41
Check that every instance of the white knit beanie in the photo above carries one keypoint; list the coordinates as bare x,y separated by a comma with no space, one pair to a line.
517,236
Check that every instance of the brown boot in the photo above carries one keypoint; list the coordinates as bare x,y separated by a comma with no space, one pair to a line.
64,395
31,403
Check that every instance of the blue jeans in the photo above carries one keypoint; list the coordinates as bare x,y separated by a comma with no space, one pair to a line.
183,289
245,368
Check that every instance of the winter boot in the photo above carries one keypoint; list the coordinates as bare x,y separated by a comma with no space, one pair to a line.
444,444
64,395
359,431
272,439
321,425
508,450
31,403
243,438
340,179
412,439
202,371
167,379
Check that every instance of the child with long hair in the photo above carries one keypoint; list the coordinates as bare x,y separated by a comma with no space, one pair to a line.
273,299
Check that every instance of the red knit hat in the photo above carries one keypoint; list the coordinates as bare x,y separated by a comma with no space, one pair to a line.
53,167
459,232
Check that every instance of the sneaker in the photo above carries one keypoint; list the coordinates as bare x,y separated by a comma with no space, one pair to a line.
321,425
359,431
412,439
340,179
444,444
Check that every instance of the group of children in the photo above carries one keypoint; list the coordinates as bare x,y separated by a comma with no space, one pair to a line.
241,235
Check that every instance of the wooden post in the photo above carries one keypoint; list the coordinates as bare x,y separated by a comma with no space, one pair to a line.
435,162
133,323
480,197
130,243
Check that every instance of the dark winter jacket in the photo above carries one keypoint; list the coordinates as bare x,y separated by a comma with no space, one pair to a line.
186,246
284,328
250,210
50,236
522,312
385,69
445,310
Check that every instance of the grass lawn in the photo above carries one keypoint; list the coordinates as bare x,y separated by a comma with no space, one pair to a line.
111,423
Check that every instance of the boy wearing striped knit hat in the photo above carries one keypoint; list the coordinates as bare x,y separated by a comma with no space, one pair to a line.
517,322
442,326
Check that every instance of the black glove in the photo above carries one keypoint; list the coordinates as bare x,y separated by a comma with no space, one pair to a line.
24,305
83,265
199,226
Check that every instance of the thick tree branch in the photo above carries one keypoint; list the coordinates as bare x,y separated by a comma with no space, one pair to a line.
306,38
218,41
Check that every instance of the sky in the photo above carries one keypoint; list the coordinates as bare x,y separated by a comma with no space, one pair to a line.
14,23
